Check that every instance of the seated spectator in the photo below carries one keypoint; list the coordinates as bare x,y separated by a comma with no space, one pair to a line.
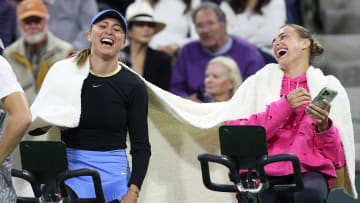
7,23
189,71
32,55
257,21
222,78
179,29
155,66
70,20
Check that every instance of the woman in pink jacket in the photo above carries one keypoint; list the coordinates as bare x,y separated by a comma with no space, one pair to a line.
290,129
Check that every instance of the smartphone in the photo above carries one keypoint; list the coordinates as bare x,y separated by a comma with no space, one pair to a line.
325,93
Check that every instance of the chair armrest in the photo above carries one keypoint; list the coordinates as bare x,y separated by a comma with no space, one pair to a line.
28,176
298,186
85,172
204,159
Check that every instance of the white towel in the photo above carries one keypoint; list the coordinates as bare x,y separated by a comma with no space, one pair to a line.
58,104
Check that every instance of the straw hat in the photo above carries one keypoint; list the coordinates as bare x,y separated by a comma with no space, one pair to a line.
142,11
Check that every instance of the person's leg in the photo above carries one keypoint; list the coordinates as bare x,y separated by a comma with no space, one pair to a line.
272,196
268,196
316,189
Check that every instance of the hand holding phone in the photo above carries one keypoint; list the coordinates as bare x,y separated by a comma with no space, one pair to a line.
318,109
325,93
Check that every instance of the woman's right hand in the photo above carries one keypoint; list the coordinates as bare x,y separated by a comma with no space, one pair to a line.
298,97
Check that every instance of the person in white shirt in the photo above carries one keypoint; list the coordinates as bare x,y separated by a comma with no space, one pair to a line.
176,14
12,126
257,21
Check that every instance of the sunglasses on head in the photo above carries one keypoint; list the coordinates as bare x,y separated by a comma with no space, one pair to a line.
142,24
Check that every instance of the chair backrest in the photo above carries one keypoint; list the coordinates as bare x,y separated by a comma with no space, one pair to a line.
45,159
243,144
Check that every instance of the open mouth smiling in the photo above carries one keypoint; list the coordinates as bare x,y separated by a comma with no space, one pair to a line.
107,42
281,52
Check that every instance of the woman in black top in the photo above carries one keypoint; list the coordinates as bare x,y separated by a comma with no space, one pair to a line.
155,66
114,102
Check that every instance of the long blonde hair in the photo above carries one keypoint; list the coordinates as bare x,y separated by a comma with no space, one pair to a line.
81,56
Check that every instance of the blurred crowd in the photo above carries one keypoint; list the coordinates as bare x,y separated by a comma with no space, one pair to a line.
201,50
170,48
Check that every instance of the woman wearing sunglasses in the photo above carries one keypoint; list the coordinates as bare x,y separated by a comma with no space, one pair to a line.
153,65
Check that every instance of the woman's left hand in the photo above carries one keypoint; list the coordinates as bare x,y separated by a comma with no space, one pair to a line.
129,198
132,195
320,115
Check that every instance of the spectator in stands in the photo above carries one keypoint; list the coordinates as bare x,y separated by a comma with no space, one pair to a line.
114,4
189,71
7,23
179,28
294,125
214,1
70,20
12,127
32,55
155,66
222,78
257,21
293,12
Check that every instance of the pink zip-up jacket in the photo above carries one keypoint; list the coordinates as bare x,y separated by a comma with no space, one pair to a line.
290,130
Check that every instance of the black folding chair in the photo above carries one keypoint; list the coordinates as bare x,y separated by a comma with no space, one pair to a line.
45,167
244,147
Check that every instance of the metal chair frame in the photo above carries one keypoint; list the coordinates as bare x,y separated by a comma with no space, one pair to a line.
45,167
244,147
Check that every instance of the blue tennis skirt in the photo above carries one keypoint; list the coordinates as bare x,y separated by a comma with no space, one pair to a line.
112,166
